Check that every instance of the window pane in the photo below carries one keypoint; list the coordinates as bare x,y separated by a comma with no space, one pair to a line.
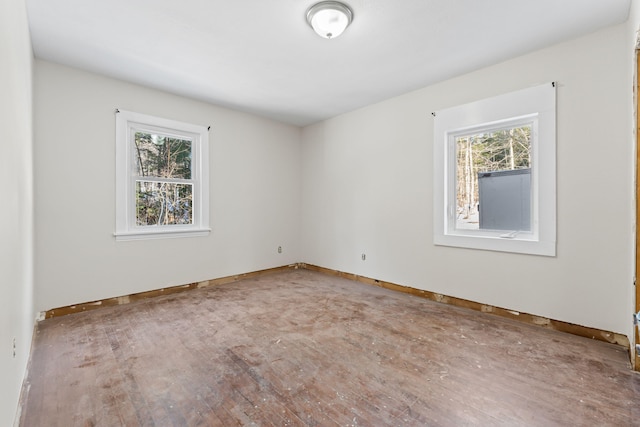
162,203
494,165
162,156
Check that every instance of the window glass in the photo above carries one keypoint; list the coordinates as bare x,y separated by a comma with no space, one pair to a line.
162,156
483,162
163,203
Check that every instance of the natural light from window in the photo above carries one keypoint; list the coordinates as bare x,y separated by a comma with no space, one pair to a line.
164,188
493,168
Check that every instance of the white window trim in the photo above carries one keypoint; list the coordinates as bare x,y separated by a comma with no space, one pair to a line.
535,105
126,228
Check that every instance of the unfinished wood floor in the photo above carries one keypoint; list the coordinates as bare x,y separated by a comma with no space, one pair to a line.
303,348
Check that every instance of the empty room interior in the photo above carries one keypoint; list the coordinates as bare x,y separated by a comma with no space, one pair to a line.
365,212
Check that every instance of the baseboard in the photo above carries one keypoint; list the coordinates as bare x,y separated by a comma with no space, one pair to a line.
126,299
556,325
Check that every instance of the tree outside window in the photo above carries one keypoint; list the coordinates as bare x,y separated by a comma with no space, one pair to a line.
485,152
164,193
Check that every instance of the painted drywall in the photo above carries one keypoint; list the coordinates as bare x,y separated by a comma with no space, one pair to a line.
16,216
633,34
367,188
254,192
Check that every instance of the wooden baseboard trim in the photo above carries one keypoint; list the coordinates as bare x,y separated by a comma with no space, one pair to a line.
556,325
126,299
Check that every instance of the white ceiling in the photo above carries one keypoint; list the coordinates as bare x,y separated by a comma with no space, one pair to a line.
260,56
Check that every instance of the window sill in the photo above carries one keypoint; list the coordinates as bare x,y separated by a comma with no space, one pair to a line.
520,245
161,234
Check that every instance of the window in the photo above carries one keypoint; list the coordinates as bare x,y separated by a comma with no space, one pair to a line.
494,173
161,178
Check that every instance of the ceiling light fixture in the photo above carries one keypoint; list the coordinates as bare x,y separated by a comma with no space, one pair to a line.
329,18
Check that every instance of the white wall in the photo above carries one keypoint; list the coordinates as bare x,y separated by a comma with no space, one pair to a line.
16,217
254,206
367,187
633,32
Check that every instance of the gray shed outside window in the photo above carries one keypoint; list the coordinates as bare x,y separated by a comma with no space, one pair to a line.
505,200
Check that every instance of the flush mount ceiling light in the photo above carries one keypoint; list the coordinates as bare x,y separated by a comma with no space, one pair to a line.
329,18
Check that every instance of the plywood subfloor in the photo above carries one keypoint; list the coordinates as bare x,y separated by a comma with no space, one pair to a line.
302,348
